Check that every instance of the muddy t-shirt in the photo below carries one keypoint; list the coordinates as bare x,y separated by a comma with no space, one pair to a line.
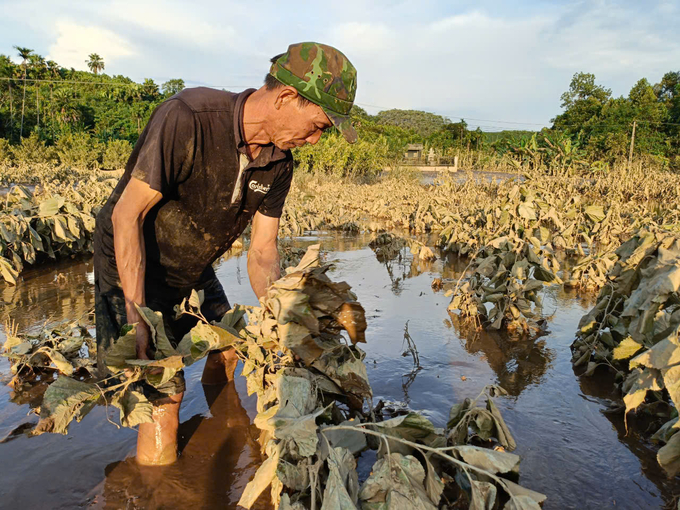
192,151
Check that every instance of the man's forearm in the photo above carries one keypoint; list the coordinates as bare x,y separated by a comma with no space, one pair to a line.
128,244
263,268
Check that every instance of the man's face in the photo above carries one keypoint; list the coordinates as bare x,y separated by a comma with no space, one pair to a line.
295,125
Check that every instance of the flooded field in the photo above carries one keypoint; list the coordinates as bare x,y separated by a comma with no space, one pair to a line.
572,449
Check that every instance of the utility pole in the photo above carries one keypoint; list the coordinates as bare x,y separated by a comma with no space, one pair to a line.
632,144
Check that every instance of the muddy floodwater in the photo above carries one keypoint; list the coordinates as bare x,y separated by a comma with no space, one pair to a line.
572,449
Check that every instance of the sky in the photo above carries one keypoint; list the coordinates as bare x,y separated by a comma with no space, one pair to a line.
502,63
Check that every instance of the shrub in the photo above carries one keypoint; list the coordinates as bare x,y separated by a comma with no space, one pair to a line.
32,150
79,150
333,155
5,152
116,155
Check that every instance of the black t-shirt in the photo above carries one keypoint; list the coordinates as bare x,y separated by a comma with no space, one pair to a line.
192,151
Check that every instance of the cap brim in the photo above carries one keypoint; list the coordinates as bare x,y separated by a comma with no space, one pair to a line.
343,124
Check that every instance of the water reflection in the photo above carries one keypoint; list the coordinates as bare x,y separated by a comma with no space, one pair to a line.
401,265
517,362
602,388
218,456
53,292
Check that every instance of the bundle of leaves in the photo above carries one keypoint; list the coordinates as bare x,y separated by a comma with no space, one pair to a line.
314,421
634,330
67,349
508,275
388,247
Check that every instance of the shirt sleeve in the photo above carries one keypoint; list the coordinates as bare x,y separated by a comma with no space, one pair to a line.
272,205
166,147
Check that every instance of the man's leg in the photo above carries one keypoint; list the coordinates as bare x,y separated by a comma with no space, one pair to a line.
220,365
157,441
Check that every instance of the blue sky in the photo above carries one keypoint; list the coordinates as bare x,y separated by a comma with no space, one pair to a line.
492,60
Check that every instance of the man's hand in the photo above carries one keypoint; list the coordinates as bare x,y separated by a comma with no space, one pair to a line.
143,341
263,254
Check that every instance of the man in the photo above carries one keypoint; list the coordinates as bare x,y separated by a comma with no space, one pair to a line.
206,164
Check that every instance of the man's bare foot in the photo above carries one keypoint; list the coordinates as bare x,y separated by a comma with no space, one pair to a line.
157,441
220,367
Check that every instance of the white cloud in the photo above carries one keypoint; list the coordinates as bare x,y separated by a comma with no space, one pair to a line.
363,38
191,24
487,59
74,42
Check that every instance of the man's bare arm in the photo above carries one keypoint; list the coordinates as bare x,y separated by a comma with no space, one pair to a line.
263,254
128,241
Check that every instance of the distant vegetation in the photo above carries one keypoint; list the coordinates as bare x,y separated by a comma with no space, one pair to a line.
55,115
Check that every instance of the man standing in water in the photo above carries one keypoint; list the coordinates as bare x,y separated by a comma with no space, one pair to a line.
207,163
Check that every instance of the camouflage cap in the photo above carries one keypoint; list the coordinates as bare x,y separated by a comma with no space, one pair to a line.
323,75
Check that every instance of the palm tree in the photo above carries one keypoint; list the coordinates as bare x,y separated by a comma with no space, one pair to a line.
39,67
24,53
96,63
53,72
66,109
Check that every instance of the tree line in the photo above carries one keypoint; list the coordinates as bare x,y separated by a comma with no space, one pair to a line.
42,97
46,102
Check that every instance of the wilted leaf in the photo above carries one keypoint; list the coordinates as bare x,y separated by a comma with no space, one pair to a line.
669,456
595,213
65,400
483,495
263,477
397,481
134,407
627,348
342,487
496,462
522,503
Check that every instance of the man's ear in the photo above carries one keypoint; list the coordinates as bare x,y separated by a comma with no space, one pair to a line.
285,95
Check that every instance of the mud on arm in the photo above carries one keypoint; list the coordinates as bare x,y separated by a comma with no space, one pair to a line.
128,240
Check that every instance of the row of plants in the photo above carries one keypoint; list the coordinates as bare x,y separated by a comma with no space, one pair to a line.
55,221
74,150
315,409
633,331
